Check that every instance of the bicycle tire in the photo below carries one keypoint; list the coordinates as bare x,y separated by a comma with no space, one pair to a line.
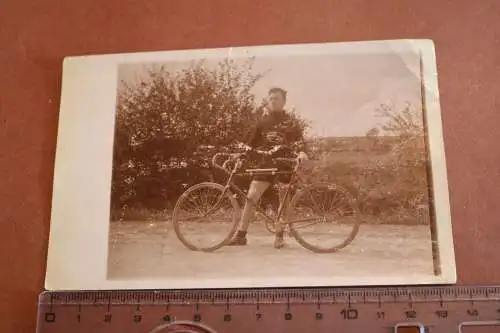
235,216
295,231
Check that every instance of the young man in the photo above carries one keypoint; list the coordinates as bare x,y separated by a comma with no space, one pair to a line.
277,134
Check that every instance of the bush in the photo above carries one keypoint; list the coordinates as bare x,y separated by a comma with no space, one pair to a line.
163,123
388,186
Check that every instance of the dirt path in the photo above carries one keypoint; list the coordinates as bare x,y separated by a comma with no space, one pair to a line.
141,250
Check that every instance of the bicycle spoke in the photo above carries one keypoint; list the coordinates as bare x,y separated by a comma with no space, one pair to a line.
214,199
203,201
194,206
203,218
332,202
324,218
199,201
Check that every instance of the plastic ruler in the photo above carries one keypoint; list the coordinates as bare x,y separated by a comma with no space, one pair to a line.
419,309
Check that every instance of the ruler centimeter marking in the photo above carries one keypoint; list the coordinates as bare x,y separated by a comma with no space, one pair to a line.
268,296
357,309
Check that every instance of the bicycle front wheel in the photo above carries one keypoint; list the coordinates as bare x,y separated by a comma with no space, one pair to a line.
205,217
325,218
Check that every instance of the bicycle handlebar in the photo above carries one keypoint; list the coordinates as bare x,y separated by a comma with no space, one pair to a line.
214,160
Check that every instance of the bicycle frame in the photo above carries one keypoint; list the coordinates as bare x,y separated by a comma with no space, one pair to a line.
235,190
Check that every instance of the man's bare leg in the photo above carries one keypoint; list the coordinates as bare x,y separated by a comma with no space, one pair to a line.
255,191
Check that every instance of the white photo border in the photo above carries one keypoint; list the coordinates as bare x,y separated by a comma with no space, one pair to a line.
80,217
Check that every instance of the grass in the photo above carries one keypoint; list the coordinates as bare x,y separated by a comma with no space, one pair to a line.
140,214
150,215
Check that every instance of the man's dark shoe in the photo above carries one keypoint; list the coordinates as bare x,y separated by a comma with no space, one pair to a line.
239,240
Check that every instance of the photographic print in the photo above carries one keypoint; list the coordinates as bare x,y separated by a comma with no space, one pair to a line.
267,166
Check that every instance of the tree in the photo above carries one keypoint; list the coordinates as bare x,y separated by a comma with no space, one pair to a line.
406,167
407,122
373,137
373,132
408,126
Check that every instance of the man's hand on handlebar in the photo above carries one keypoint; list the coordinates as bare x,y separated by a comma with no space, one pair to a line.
302,157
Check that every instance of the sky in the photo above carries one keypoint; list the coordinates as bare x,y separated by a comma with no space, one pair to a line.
338,93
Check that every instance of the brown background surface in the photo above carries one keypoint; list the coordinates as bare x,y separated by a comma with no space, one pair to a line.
36,35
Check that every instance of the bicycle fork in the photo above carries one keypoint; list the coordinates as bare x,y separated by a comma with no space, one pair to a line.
227,187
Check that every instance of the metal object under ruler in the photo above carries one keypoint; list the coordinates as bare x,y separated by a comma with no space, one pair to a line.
431,309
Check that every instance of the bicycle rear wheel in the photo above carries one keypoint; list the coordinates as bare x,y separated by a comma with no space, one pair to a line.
325,218
205,218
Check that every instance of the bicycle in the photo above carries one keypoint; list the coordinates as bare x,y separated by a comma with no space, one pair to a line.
304,205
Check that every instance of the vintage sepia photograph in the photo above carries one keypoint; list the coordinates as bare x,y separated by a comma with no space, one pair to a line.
292,165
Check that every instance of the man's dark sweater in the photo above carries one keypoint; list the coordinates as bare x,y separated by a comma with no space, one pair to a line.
275,129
